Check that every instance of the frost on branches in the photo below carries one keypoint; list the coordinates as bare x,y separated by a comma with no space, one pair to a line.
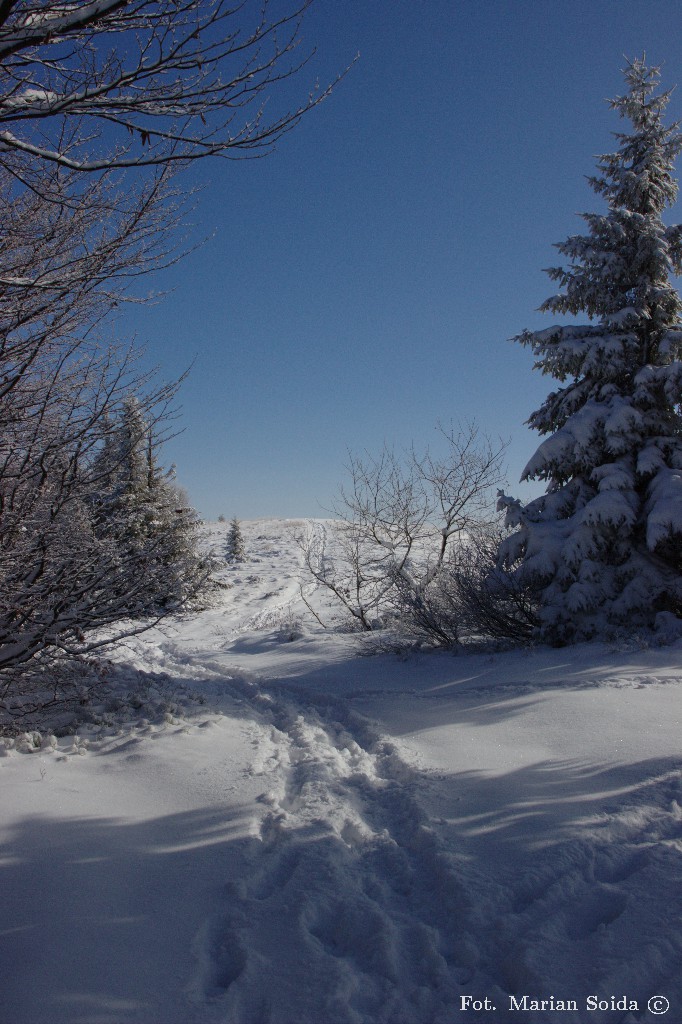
604,544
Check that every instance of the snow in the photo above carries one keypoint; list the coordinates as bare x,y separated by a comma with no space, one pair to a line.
621,316
32,97
279,829
665,500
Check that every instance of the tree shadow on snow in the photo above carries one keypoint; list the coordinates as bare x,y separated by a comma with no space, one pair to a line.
533,808
99,913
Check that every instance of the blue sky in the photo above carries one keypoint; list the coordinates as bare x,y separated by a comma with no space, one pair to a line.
362,283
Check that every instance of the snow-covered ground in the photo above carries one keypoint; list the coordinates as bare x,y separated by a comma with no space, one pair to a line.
285,831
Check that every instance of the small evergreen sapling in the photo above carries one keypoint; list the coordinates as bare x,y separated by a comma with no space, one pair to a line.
236,551
604,544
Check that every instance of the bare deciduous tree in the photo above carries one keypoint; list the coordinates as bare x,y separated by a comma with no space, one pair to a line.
399,521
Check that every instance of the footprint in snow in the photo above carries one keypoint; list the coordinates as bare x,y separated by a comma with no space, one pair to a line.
597,910
620,868
224,957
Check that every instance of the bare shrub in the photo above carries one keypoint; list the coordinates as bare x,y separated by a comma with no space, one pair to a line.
412,552
496,604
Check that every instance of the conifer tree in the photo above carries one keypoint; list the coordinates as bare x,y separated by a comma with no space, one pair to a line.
604,544
138,505
235,542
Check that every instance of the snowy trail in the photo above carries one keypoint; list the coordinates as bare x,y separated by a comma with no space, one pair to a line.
332,838
349,875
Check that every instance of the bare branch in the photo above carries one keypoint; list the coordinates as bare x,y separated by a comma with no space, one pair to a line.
130,83
401,522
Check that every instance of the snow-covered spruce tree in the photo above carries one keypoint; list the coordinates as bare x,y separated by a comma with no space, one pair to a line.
140,508
604,544
236,551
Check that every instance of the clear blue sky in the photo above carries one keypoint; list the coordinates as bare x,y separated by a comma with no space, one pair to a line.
362,282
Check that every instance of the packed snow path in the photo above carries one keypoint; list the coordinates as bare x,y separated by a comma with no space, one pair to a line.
329,838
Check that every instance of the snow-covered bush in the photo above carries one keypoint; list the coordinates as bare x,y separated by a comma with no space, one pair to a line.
603,546
494,603
84,543
290,626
